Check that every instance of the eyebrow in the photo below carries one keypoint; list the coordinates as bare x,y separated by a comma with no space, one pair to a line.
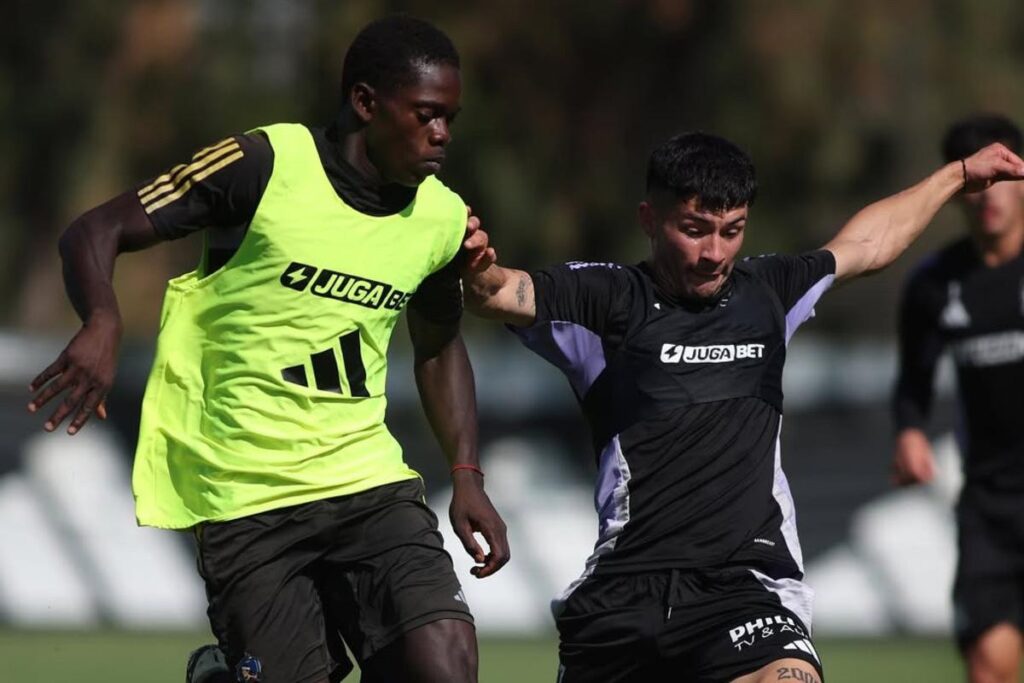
708,218
434,104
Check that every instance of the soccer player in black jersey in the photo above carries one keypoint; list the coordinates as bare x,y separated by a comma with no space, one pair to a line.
677,364
288,584
968,298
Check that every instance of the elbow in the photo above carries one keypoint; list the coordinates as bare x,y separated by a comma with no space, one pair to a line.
89,232
72,237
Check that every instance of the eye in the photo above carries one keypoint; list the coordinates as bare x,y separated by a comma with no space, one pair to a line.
424,116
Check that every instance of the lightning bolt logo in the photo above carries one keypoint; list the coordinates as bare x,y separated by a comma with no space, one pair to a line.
297,276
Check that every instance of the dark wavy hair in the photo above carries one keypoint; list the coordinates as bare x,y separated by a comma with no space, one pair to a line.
967,136
706,166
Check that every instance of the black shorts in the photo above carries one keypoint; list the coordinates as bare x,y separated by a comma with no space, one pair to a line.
288,585
989,584
681,625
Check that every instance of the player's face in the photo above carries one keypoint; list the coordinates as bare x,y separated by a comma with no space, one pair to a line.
410,126
693,248
996,211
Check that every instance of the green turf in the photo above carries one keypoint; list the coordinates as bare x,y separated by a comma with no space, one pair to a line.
118,657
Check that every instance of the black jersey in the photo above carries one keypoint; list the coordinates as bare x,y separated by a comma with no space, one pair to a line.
222,185
684,403
953,301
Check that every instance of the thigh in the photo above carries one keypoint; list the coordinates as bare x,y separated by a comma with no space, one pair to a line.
730,626
375,601
783,671
982,601
989,584
268,609
439,652
995,655
607,630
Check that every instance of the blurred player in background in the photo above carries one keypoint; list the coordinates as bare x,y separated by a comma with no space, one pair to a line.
263,421
969,298
677,363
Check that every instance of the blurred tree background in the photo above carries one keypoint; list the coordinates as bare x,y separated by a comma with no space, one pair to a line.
839,103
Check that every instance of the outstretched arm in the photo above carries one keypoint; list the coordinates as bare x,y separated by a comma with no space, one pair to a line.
504,294
879,233
85,369
444,378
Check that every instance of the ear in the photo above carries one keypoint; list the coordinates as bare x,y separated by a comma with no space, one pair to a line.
648,218
363,100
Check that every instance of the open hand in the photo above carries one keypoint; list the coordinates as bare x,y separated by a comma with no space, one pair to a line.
84,372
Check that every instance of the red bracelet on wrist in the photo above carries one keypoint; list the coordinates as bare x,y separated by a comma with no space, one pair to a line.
474,468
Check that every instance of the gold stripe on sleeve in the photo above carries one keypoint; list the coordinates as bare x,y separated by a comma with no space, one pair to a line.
195,157
190,170
190,181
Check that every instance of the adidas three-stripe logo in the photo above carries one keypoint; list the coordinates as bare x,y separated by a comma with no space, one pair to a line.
325,368
180,179
804,646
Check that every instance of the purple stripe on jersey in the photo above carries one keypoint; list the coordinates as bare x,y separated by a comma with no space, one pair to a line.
611,499
803,309
795,595
572,348
784,499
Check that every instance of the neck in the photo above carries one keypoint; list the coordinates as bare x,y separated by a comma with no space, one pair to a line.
351,141
663,278
996,250
667,282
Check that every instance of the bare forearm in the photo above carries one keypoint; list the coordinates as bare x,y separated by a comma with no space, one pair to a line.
448,395
504,294
444,378
88,264
89,248
880,232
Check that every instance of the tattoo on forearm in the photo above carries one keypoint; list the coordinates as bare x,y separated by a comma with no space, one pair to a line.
524,281
794,674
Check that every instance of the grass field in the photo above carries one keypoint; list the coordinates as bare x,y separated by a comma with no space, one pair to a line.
118,657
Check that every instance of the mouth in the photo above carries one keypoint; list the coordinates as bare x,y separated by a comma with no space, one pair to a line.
433,164
989,213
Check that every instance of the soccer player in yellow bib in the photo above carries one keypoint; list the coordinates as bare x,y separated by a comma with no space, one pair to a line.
263,421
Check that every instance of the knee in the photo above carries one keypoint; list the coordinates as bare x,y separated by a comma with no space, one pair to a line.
442,652
981,669
462,660
995,656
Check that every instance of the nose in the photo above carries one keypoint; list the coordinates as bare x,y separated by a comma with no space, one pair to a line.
712,250
440,135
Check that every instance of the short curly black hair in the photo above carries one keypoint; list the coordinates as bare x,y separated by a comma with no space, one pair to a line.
967,136
387,53
712,169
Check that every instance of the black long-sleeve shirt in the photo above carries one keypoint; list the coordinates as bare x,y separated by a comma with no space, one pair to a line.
953,301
